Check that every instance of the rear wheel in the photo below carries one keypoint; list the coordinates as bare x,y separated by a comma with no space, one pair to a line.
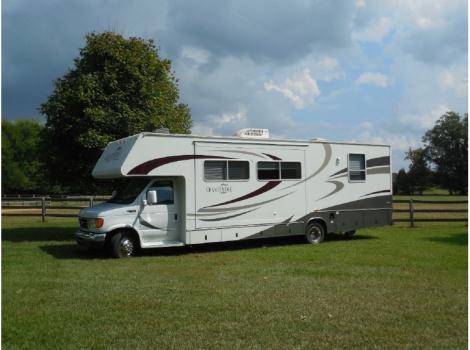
315,233
122,245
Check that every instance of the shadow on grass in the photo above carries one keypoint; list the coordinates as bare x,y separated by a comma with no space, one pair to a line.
37,234
73,251
454,239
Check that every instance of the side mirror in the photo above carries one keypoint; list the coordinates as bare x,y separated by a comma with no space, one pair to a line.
152,197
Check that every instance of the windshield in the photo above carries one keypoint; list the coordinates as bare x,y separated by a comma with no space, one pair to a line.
128,189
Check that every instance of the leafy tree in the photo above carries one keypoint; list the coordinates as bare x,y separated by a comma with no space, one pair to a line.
22,170
117,88
419,174
401,184
446,146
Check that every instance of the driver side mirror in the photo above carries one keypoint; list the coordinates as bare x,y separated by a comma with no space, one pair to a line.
152,197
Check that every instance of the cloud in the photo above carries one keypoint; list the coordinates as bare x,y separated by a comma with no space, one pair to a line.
224,119
424,121
277,32
202,129
375,32
300,90
378,79
197,55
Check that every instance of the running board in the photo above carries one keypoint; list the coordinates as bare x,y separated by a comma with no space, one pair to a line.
163,244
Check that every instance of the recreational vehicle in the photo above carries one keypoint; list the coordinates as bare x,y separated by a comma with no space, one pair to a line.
177,190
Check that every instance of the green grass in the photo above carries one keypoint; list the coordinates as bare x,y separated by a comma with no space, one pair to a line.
391,287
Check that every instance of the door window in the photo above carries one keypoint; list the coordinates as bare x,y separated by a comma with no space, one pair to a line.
165,192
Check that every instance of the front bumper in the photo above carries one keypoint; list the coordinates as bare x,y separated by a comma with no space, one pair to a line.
90,239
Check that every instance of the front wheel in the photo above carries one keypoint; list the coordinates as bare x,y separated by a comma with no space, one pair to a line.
315,233
122,245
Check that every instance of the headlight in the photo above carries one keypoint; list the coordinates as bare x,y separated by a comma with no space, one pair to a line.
95,223
99,222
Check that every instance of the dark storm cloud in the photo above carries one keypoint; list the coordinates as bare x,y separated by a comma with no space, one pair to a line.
275,30
40,39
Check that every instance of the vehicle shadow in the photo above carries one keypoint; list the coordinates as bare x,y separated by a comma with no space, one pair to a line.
73,251
37,234
454,239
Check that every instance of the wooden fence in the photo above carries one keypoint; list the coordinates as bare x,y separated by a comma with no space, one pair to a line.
21,206
45,206
412,210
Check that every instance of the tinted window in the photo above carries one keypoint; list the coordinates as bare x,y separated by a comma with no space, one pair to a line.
268,170
165,193
290,170
215,170
127,190
357,167
238,170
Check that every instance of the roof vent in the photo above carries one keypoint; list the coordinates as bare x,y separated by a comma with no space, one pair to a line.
318,139
251,133
162,131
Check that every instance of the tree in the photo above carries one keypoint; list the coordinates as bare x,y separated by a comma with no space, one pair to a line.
419,174
22,171
401,184
446,146
117,88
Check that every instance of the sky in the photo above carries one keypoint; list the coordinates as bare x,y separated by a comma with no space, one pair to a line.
359,70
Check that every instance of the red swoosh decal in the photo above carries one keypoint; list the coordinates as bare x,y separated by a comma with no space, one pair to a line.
148,166
268,186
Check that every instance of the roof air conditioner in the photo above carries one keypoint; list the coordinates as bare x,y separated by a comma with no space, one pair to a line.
251,133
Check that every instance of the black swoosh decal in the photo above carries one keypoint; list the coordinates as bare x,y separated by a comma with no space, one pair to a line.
215,210
376,192
339,186
379,170
148,166
148,224
228,217
271,156
268,186
380,161
340,172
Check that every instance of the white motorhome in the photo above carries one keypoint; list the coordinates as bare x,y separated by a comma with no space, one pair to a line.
184,189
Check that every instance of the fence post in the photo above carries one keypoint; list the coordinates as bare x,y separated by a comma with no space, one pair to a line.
412,219
91,201
43,209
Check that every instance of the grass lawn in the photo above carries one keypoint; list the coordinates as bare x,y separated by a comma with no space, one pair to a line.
391,287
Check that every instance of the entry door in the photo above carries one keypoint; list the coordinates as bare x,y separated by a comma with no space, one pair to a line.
159,222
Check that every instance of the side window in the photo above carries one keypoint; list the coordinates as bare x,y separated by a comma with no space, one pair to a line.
279,170
215,170
290,170
222,170
268,171
238,170
357,167
165,192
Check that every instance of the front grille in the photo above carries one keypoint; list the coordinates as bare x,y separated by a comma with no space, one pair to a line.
83,223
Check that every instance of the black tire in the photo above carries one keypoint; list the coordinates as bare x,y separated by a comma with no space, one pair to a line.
315,233
122,245
350,233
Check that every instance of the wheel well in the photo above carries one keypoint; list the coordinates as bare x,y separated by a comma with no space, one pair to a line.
320,221
127,230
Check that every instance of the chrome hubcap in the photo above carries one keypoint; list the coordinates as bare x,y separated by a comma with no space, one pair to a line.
314,233
126,247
